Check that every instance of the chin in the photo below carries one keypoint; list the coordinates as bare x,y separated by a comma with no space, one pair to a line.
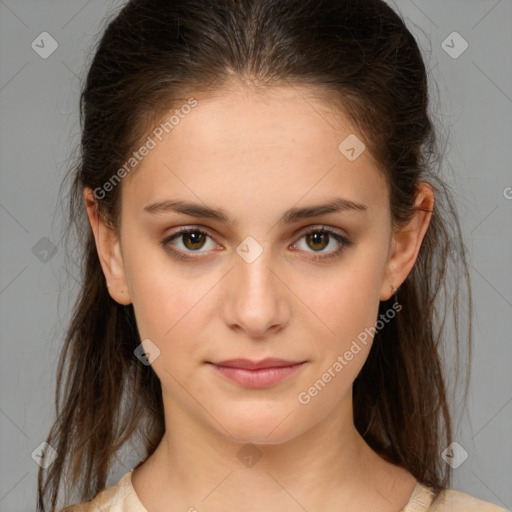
250,436
269,428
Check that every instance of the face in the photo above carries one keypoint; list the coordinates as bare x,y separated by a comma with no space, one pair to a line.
262,279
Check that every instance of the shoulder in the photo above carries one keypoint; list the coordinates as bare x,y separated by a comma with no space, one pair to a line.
111,499
451,500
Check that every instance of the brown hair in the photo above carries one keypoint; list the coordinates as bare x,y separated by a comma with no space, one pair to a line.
152,55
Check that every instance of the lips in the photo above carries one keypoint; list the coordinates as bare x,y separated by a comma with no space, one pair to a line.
248,364
257,374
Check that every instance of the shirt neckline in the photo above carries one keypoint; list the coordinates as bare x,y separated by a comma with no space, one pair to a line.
419,500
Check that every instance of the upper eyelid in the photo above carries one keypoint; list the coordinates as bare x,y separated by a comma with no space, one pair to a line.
301,232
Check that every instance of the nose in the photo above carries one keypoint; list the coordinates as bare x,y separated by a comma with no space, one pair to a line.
255,297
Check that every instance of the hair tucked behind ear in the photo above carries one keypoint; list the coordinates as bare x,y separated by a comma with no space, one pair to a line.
152,56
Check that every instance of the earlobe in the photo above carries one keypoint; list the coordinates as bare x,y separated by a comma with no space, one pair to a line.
407,241
109,251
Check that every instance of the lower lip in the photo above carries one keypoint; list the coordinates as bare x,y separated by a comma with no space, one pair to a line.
262,378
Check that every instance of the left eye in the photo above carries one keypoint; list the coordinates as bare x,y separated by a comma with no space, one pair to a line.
194,239
322,238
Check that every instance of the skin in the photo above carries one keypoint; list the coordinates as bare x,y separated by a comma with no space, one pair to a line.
256,154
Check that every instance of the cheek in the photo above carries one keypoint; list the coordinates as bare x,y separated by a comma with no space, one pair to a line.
343,303
171,314
166,302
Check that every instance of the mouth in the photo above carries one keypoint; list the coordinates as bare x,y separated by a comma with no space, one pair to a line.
257,374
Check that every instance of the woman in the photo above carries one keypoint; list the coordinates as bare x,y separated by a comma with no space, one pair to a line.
265,246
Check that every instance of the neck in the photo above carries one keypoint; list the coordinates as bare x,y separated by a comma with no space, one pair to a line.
193,460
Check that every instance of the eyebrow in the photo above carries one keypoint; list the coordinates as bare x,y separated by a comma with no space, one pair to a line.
334,205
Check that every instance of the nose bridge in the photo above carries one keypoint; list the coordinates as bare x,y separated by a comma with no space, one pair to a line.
256,300
254,270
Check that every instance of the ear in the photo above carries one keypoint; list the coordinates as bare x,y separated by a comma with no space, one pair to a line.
407,241
109,251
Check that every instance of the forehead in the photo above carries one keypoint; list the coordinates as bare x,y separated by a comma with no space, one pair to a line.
259,148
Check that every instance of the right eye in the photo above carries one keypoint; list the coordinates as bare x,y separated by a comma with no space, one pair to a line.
193,239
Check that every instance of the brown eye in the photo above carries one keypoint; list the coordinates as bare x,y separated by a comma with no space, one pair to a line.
193,240
320,239
317,240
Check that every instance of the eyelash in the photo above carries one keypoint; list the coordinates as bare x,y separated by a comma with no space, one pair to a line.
180,255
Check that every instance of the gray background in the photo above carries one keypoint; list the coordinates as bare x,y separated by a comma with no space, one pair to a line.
39,132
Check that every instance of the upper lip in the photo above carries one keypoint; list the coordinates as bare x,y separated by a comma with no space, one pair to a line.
248,364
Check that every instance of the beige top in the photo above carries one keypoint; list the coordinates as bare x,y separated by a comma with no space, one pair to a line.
122,498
